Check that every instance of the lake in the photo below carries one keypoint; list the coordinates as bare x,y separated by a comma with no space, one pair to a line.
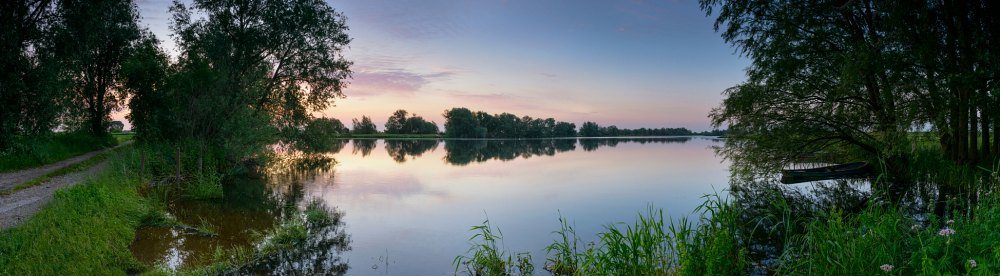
404,207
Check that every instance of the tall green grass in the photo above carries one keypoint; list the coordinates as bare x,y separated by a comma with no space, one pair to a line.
85,229
488,256
878,239
652,245
35,151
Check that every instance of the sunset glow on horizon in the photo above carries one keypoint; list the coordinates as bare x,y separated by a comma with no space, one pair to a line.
627,63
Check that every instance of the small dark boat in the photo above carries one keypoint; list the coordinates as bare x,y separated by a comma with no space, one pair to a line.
849,170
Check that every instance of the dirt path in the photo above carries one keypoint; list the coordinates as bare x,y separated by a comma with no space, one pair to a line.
19,206
10,179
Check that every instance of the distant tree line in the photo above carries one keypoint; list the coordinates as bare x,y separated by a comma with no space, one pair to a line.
463,152
591,129
463,123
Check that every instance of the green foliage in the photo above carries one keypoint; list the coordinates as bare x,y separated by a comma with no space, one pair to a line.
592,129
650,246
33,151
856,77
399,123
31,93
364,127
463,123
321,135
205,185
59,172
240,85
86,229
841,243
92,40
486,257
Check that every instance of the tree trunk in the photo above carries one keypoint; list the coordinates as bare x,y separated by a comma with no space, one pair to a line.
973,134
985,125
177,177
142,166
996,136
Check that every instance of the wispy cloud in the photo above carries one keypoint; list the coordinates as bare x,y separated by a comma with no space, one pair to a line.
391,82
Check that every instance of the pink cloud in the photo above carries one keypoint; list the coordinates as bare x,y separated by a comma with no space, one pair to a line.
390,82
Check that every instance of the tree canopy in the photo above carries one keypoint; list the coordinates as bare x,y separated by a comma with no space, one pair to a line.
859,76
463,123
401,123
249,73
365,126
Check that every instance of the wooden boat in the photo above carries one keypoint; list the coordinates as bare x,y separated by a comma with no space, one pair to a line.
849,170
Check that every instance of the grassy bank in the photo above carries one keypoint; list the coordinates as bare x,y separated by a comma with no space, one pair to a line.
880,239
36,151
85,229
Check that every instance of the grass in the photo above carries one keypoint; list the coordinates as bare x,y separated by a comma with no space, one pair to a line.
29,152
652,245
86,229
121,137
880,239
56,173
487,258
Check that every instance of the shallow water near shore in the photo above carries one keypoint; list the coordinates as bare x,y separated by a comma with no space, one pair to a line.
404,207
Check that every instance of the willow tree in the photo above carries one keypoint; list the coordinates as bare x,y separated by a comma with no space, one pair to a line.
251,72
822,78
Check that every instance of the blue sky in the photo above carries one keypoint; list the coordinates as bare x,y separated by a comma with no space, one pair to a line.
626,63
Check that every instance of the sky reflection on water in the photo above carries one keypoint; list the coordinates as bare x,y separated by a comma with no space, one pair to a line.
418,210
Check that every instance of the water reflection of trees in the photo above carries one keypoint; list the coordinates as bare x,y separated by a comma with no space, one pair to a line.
400,149
363,146
293,167
771,212
462,152
591,144
320,253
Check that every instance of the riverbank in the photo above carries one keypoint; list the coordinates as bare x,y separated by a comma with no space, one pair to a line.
945,225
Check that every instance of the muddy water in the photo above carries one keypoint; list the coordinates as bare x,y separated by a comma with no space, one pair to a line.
404,207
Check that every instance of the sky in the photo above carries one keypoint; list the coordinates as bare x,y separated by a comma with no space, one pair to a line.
626,63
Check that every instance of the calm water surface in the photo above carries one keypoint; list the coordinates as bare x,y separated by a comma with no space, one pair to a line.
404,207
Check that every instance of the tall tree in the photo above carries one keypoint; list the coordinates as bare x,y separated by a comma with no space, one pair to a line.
365,126
29,104
822,76
93,39
250,72
462,123
397,122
